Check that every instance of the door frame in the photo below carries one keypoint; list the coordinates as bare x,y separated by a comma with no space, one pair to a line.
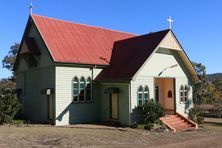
174,89
110,105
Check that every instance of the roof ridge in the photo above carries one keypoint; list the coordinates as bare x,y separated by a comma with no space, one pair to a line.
67,21
138,36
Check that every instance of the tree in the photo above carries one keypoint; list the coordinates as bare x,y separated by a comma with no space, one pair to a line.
8,63
6,86
9,106
217,96
9,60
200,88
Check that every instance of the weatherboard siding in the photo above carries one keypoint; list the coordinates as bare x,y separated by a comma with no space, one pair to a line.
66,111
150,70
123,102
141,81
181,107
32,80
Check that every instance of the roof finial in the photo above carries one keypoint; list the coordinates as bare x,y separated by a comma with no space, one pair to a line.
170,21
30,8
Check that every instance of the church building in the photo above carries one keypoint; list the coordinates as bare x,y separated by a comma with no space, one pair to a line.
68,73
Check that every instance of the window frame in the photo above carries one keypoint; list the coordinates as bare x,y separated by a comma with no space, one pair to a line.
145,91
140,92
73,94
181,92
186,91
84,89
90,88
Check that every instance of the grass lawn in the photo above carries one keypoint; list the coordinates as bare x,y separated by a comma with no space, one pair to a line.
213,124
46,136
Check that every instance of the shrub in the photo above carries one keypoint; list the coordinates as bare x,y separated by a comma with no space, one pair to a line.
9,106
218,108
153,112
134,125
149,126
148,113
196,115
19,122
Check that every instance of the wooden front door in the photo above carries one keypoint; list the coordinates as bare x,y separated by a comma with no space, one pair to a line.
114,106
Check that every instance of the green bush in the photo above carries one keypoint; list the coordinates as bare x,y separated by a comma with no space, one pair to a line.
196,115
148,113
134,125
19,122
149,126
9,106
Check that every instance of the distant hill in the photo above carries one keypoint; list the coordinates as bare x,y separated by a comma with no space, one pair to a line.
215,76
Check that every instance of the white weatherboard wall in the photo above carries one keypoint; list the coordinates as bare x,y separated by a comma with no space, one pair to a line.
123,102
150,70
32,80
66,111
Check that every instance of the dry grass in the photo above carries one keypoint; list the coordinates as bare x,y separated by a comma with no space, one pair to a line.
46,136
213,124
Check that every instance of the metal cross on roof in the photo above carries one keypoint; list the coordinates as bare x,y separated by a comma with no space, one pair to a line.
30,8
170,21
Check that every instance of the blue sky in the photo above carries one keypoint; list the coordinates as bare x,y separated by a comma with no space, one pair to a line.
197,24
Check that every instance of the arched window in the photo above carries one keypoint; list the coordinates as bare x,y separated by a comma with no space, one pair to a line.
185,93
169,94
75,89
140,95
181,93
146,94
88,89
82,90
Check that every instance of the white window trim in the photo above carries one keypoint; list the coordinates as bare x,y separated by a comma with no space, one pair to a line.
146,91
84,89
75,78
143,94
91,98
182,92
140,92
187,91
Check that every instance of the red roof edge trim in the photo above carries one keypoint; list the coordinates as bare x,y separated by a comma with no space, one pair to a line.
42,37
107,29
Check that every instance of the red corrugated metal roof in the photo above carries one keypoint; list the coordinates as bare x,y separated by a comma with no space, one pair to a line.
76,43
129,55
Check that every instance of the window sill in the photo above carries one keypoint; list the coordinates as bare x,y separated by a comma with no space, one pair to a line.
81,102
184,102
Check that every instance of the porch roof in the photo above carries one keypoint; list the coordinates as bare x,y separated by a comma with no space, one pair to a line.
129,55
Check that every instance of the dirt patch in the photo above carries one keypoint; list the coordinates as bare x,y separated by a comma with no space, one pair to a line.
49,136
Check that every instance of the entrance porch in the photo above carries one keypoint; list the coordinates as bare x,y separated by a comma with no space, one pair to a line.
165,94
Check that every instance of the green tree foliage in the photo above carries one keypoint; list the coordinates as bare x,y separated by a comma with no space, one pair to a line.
196,115
217,96
9,106
208,91
9,60
200,88
6,86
